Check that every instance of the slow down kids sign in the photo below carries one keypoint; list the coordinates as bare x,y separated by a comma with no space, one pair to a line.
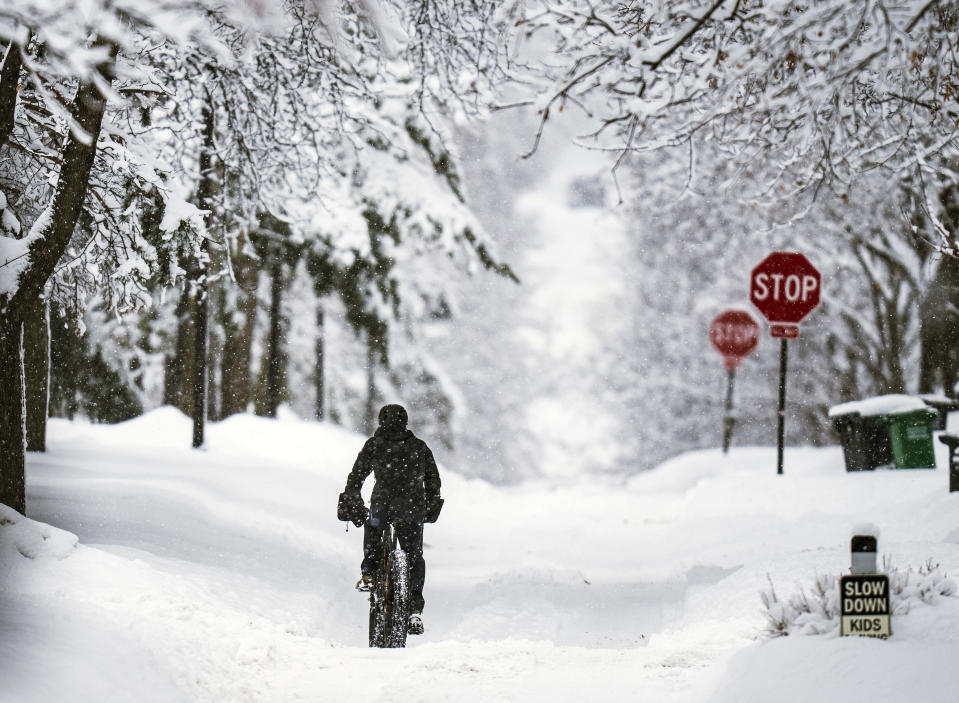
864,605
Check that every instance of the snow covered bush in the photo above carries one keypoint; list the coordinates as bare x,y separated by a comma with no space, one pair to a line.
815,610
812,613
925,586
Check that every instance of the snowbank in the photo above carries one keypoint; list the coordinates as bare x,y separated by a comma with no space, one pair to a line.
31,539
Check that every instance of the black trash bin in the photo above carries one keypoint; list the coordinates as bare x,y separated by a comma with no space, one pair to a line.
865,441
864,428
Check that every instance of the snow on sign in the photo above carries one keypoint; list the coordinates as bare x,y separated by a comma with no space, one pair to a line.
785,287
864,605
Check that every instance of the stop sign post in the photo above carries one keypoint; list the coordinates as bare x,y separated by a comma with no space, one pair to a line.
785,288
734,334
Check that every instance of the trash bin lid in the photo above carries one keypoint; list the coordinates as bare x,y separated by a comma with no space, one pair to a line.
918,414
844,409
893,403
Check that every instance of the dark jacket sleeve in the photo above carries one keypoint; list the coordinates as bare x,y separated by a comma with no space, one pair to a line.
361,469
431,477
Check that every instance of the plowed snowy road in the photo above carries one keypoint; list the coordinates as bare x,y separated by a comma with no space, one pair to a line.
222,575
227,570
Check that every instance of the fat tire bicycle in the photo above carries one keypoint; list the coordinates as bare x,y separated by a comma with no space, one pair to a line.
390,605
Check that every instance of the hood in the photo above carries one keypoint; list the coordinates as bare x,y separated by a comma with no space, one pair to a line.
394,434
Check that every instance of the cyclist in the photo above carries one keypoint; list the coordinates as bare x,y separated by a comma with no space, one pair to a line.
406,492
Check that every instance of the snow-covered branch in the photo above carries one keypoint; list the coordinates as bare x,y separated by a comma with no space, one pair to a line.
831,89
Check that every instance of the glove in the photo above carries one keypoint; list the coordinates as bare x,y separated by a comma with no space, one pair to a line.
433,510
360,514
344,507
350,508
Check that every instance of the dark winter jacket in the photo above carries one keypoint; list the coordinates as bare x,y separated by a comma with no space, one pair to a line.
407,482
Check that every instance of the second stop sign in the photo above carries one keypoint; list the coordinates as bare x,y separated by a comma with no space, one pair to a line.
785,287
734,334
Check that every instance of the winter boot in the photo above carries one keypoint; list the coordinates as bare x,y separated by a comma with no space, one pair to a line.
415,626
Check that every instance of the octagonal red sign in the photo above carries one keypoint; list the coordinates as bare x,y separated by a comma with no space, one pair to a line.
785,287
734,334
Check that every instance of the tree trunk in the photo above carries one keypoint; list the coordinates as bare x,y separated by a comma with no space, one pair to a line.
271,385
214,344
275,363
201,285
179,365
55,233
319,378
9,84
64,210
369,416
36,371
199,381
239,319
12,413
895,346
12,430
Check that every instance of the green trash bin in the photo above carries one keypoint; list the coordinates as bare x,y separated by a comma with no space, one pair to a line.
910,434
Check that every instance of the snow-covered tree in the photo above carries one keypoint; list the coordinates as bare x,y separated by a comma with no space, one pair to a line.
192,119
400,228
63,63
798,93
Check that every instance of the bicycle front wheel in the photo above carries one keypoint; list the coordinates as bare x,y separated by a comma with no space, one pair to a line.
379,596
378,623
397,599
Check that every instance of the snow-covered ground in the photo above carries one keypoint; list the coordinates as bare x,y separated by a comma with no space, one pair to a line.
222,575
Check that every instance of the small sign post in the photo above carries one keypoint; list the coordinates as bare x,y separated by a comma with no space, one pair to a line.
734,334
784,287
863,594
952,441
864,605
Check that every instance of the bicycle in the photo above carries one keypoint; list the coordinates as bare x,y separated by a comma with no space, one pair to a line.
391,604
390,596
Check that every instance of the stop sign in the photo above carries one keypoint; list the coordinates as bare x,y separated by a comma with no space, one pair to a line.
735,334
785,288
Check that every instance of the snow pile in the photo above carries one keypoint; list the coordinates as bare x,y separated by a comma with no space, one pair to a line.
31,539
